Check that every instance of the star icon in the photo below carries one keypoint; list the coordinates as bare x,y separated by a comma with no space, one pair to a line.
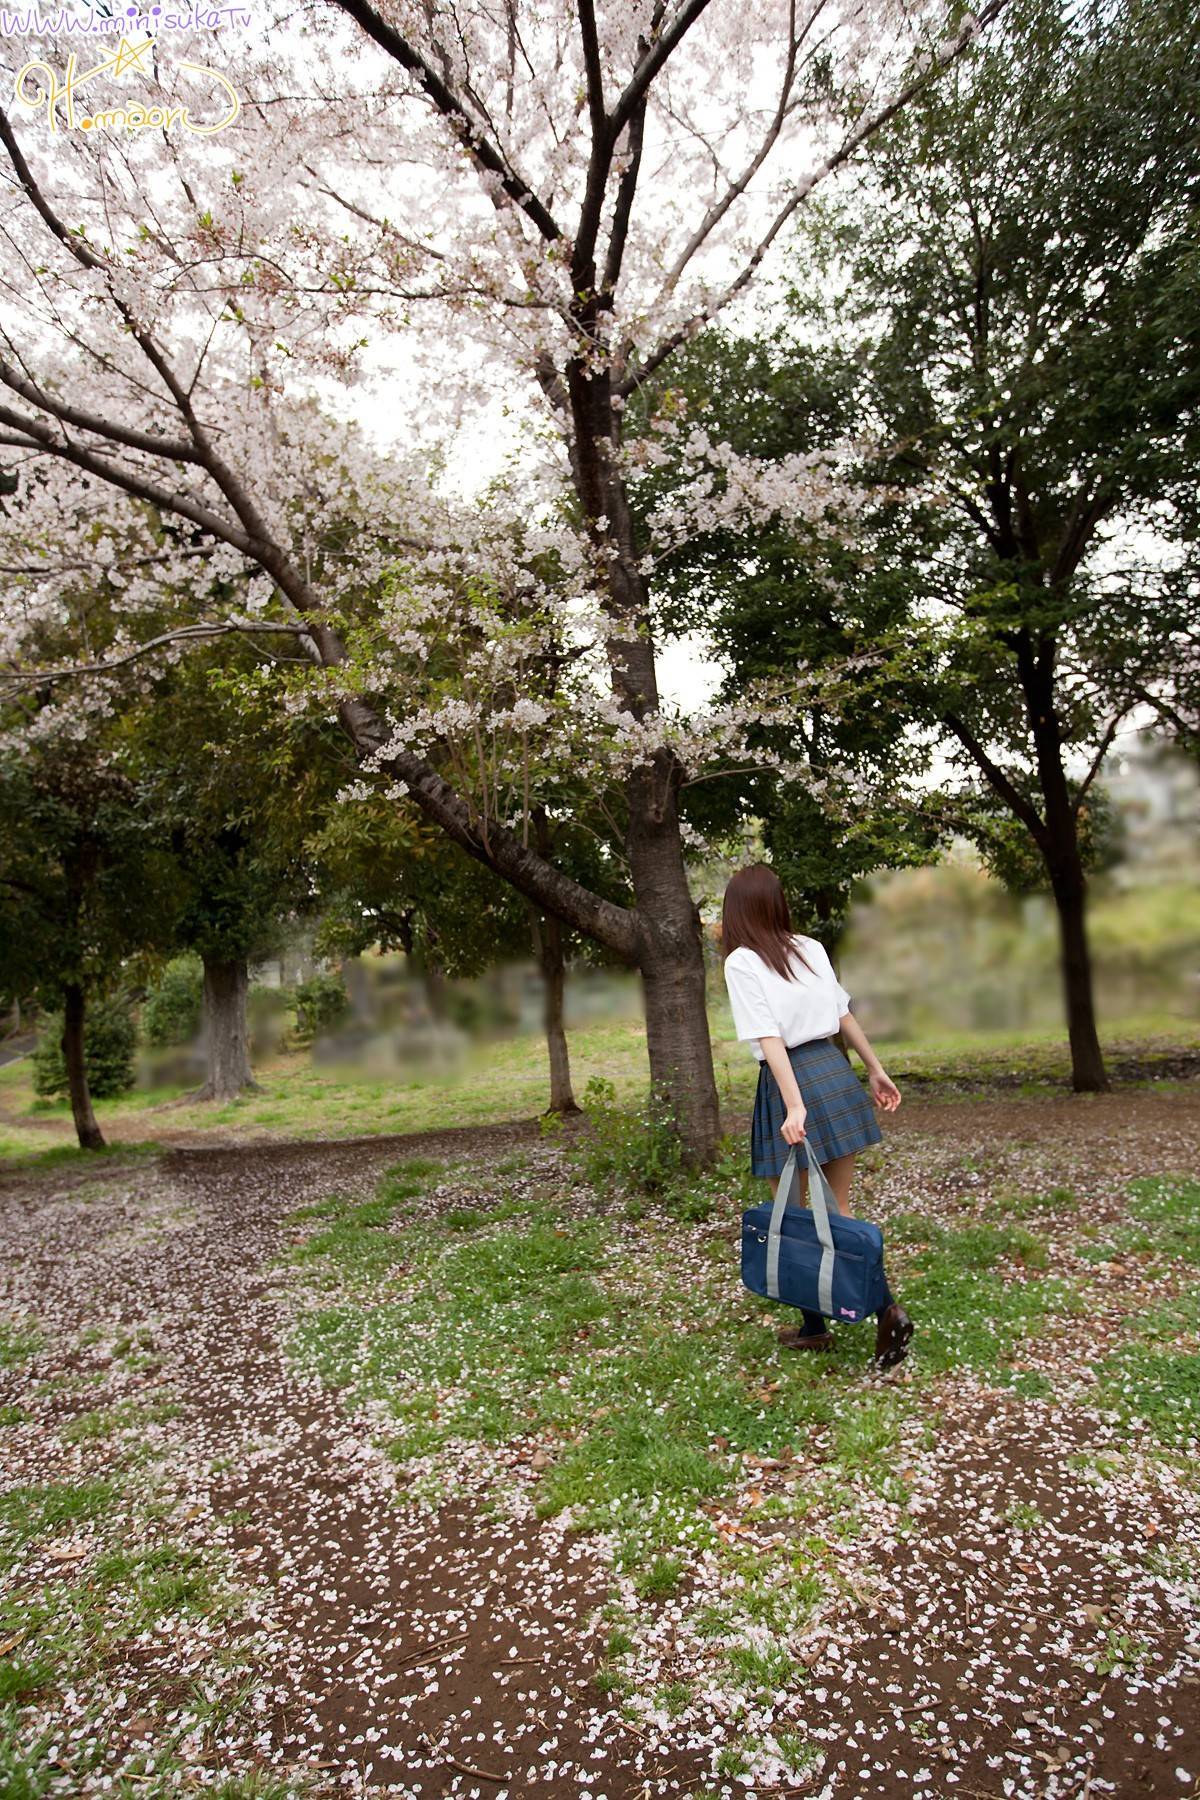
129,56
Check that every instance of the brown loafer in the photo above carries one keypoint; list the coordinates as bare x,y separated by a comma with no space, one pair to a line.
893,1336
792,1338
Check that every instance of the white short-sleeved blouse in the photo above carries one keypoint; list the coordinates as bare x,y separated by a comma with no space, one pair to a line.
765,1005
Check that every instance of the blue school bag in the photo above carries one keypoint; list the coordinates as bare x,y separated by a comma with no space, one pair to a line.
811,1256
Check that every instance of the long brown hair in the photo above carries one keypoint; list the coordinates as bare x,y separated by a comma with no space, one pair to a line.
755,917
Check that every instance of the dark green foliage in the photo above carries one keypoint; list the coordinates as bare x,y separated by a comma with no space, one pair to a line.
784,597
321,1002
1011,855
172,1009
109,1047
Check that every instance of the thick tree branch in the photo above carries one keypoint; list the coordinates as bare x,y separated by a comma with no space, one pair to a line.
593,70
139,487
618,927
623,206
656,56
485,153
176,449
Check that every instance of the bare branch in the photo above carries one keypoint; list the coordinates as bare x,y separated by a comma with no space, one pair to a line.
1012,796
867,127
1101,752
14,679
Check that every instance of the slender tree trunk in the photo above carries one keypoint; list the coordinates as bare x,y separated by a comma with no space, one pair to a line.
548,948
1064,865
1088,1074
74,1010
433,980
225,1034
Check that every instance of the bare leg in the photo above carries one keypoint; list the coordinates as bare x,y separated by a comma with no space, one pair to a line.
840,1174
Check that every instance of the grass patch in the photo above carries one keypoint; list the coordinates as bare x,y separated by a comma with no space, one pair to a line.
660,1578
71,1622
18,1342
977,1290
1159,1388
574,1331
1163,1224
27,1513
1168,1209
761,1673
108,1421
1013,1204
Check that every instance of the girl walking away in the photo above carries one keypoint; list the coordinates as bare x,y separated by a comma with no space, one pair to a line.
787,1004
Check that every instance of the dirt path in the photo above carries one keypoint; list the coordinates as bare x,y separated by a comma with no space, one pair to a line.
409,1646
449,1652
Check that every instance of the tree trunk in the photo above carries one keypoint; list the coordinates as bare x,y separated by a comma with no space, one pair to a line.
1060,851
670,950
225,1035
672,965
548,948
86,1129
433,980
1088,1074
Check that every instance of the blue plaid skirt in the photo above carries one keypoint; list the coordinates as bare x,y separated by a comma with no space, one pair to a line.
841,1117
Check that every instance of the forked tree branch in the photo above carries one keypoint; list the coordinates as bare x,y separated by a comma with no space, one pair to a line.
487,154
853,142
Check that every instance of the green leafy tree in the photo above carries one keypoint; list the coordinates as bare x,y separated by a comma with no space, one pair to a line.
85,885
1024,268
386,879
784,604
1005,322
109,1051
236,793
171,1011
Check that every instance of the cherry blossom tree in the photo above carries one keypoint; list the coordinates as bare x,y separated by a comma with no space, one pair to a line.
518,205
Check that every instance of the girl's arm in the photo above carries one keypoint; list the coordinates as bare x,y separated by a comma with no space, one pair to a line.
884,1091
780,1064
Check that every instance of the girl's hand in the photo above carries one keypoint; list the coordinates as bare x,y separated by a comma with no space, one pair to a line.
792,1129
884,1091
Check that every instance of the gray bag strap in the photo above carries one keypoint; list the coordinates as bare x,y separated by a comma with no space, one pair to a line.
820,1199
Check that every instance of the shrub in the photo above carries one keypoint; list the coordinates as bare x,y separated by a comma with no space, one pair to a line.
320,1003
640,1152
109,1048
172,1010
